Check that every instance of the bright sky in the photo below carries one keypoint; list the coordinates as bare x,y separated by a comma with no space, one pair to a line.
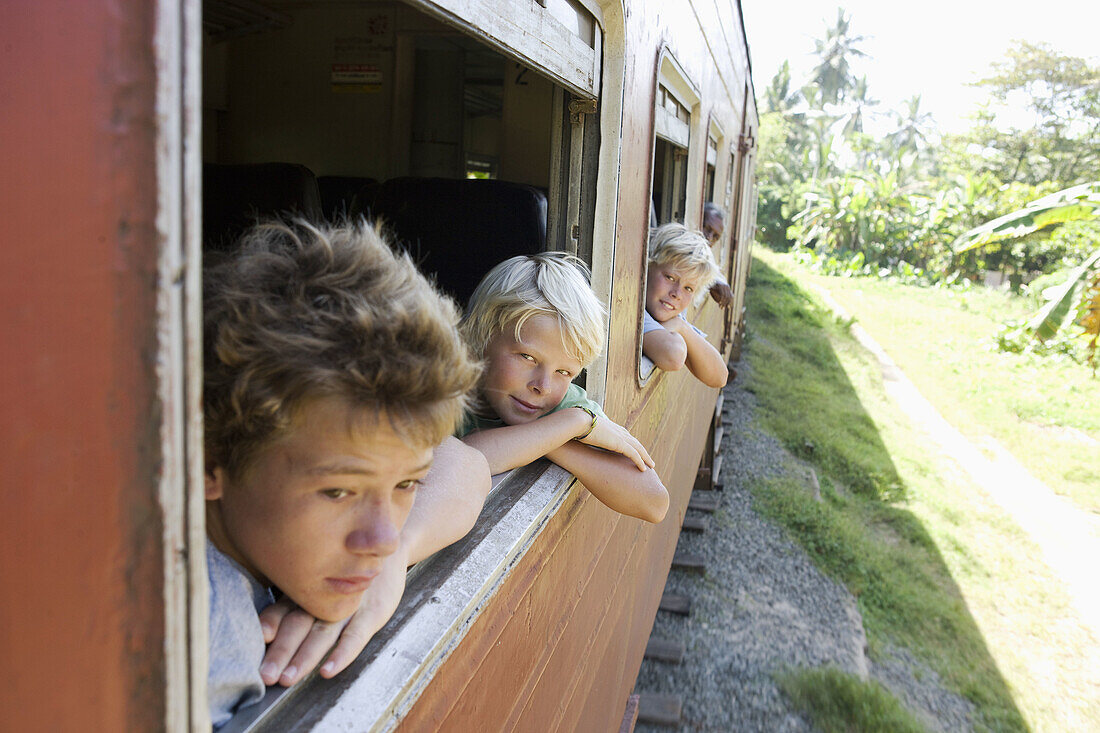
931,48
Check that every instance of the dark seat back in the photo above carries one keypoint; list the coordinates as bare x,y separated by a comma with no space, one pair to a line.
234,197
457,229
347,196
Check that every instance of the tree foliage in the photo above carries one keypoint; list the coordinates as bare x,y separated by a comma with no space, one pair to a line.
894,202
1059,137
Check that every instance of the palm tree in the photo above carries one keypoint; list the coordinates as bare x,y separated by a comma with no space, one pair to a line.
858,101
911,135
779,97
833,74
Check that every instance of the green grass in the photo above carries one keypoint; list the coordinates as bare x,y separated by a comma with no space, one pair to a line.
1043,410
837,702
935,565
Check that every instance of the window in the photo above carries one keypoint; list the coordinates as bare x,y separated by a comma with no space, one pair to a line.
675,112
712,162
449,92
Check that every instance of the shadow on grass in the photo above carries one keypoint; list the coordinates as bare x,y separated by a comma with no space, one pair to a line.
882,553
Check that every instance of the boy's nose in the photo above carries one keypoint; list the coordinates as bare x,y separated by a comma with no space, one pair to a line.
375,533
540,382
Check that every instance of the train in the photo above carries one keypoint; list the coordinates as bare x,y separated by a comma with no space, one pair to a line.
139,135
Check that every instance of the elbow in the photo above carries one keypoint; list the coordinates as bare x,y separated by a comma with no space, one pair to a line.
656,505
670,360
719,378
476,466
473,468
659,508
669,364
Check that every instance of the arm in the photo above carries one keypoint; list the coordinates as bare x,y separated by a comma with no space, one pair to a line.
448,501
512,446
665,348
615,481
703,360
721,293
447,504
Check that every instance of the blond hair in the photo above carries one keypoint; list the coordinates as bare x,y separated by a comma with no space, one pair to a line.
551,284
301,312
688,252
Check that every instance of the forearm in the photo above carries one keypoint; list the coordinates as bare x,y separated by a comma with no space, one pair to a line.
666,349
615,481
448,500
512,446
705,361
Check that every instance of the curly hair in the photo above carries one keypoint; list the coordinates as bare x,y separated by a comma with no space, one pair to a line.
686,251
301,312
552,284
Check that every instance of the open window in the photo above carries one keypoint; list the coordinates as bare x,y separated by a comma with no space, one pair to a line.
712,196
712,162
675,110
475,137
470,151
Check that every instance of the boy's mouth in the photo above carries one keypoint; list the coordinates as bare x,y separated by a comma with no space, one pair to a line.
526,407
351,584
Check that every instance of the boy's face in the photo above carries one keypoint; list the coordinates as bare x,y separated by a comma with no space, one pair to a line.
528,377
712,228
319,509
667,292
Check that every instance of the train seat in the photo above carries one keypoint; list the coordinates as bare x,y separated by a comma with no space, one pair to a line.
235,196
349,196
457,229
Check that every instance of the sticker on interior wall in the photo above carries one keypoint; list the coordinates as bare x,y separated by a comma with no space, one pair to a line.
356,78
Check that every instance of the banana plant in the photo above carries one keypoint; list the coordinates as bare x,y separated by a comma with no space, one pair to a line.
1070,204
1078,297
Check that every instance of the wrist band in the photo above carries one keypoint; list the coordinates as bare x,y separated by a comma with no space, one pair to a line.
590,427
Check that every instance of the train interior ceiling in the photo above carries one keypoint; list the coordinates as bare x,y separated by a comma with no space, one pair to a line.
377,109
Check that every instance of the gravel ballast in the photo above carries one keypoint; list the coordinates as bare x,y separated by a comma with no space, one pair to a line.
762,607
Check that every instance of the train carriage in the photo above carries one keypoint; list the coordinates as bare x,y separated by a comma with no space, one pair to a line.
140,136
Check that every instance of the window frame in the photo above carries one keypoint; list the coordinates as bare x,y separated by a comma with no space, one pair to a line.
446,592
670,79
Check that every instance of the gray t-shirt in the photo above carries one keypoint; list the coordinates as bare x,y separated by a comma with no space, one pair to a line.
236,639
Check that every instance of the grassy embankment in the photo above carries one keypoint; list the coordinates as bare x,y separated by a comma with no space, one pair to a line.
1043,410
936,566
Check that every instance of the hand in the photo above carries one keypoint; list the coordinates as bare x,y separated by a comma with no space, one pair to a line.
298,641
614,437
721,293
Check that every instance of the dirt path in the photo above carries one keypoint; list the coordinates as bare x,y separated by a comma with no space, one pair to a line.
1068,536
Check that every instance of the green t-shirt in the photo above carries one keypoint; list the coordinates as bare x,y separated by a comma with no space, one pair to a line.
574,396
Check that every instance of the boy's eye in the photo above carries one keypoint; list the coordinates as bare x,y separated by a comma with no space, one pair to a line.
409,484
335,493
689,288
565,373
528,357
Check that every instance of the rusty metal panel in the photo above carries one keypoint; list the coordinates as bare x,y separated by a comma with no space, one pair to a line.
82,614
